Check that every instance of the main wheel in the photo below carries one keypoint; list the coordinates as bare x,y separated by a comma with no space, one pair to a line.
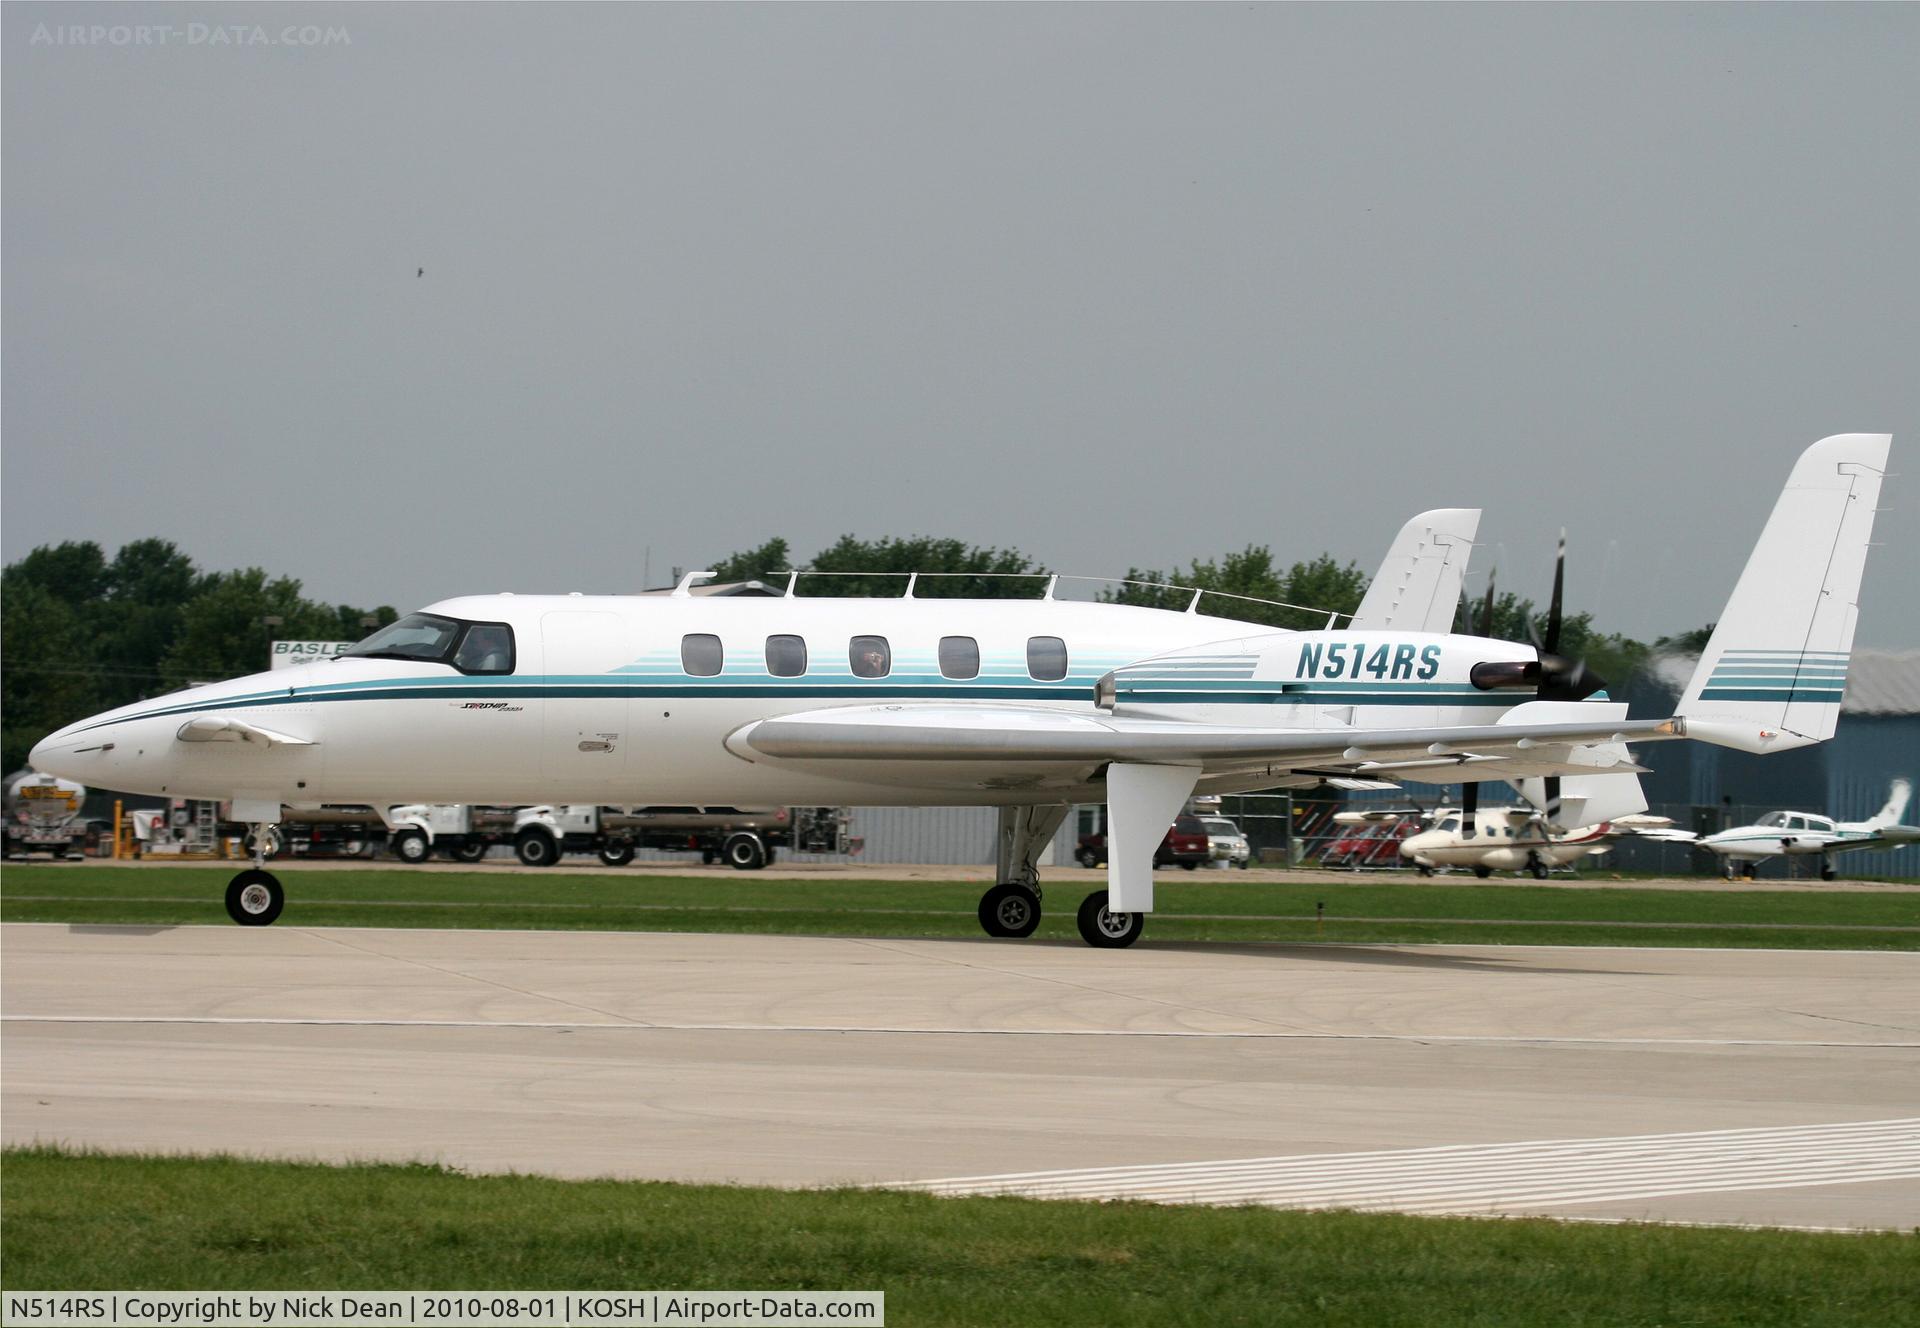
1424,870
535,848
1189,866
617,855
1009,911
1481,870
1108,930
254,898
1537,868
744,852
411,845
471,850
1086,857
1827,873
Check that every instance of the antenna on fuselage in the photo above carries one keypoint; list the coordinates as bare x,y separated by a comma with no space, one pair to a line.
685,589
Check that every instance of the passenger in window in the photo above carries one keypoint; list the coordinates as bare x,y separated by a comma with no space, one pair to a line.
870,657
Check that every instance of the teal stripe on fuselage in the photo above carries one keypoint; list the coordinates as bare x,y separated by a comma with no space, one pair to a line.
1817,696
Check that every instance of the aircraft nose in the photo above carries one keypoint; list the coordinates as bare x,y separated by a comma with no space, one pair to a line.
53,754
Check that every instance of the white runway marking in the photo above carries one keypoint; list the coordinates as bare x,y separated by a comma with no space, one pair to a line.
1480,1178
642,1026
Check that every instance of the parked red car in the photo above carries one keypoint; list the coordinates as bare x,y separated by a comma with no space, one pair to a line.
1184,845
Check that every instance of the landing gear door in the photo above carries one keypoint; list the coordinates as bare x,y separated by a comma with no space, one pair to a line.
585,747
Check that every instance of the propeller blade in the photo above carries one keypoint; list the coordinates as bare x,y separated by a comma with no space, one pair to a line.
1469,808
1553,800
1552,646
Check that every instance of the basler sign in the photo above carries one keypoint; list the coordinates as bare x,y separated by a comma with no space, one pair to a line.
288,653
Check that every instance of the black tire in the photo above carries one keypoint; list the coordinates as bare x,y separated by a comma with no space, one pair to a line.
1106,930
744,852
1481,870
1536,868
535,848
255,898
1189,866
1828,873
1425,871
470,850
616,855
1009,911
1086,857
708,857
412,845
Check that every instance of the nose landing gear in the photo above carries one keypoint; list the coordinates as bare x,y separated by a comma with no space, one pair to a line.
255,896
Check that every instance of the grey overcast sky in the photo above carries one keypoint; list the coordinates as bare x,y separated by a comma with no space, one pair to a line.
1114,285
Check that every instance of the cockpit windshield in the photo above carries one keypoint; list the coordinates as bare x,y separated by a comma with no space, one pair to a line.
1772,818
431,639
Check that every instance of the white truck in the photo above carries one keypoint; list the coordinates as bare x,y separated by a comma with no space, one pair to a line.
44,816
745,838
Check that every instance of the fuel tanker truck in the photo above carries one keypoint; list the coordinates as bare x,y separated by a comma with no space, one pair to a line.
43,815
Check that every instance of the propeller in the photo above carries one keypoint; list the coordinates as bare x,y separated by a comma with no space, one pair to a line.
1553,676
1469,805
1561,678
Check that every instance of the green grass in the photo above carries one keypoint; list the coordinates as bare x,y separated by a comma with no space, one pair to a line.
1200,910
94,1222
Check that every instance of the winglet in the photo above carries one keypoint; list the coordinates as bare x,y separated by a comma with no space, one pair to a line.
1774,671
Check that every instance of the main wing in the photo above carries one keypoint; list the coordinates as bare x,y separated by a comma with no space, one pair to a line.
1523,744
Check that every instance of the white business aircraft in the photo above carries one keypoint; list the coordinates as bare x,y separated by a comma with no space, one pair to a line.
1807,834
1514,839
1024,705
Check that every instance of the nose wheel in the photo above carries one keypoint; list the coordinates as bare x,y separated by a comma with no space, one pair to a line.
255,898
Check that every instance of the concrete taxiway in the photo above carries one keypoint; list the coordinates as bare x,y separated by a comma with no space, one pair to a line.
1756,1086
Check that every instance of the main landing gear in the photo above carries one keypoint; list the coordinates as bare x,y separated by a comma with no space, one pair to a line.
1011,909
255,896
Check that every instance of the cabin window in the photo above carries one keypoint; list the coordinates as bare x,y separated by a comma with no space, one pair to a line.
959,657
701,654
1451,823
486,648
1046,658
870,657
786,656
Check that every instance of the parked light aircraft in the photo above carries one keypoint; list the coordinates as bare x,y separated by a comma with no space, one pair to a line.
1806,834
1024,705
1513,839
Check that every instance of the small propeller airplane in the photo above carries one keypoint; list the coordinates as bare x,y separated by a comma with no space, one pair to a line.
1512,839
1807,834
1028,706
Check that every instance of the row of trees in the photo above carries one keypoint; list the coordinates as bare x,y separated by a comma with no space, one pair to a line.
83,632
1239,580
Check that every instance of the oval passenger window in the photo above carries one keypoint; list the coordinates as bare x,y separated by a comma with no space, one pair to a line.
701,654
